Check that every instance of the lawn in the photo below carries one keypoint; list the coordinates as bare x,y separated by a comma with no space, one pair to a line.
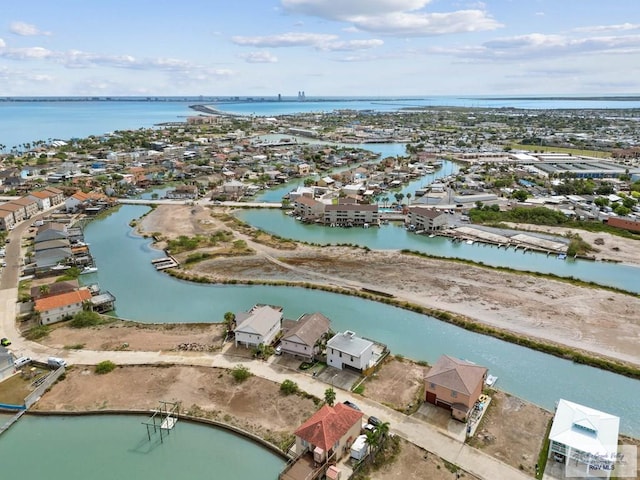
572,151
15,389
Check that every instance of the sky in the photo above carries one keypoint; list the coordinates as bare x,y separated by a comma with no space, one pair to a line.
321,47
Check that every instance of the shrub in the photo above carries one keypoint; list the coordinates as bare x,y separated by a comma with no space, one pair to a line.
105,367
37,332
240,373
289,387
85,319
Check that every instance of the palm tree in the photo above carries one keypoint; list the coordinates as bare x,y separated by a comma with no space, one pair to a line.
373,440
408,198
330,396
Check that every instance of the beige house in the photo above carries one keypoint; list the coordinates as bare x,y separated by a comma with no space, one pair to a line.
43,199
18,211
429,219
329,433
6,218
301,337
29,204
308,208
56,195
346,213
455,384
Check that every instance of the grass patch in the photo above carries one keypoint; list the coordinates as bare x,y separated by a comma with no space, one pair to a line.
105,367
569,151
544,452
37,332
240,373
74,346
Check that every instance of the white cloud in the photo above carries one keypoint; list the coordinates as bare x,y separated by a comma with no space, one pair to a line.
396,17
259,57
621,27
2,43
537,45
352,45
285,40
26,29
338,10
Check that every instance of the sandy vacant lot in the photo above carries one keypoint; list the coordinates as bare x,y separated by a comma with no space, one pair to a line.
399,384
256,405
595,320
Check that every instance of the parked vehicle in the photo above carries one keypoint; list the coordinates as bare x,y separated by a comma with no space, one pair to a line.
5,342
21,362
56,362
375,421
351,404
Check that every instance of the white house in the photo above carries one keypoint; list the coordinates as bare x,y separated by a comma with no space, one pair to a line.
345,349
586,440
56,308
259,325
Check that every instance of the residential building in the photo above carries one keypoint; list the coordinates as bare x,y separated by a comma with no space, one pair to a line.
428,219
59,307
586,440
309,209
260,325
624,223
18,211
328,434
43,199
455,384
302,337
51,231
348,350
183,192
57,195
75,201
351,214
7,220
30,205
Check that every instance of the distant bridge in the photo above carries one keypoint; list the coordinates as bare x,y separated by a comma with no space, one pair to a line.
202,202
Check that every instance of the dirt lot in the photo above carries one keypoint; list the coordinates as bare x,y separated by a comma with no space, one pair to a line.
255,405
398,384
140,337
414,463
595,320
512,431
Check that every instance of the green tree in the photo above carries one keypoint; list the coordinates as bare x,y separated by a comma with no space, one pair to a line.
289,387
229,319
520,195
330,396
240,373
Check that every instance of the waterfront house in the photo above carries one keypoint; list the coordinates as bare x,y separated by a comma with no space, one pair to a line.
76,201
323,440
584,439
308,209
62,306
183,192
54,288
260,325
51,231
346,350
302,337
455,384
428,219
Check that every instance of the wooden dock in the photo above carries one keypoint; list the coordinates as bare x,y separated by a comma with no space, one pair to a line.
164,263
11,421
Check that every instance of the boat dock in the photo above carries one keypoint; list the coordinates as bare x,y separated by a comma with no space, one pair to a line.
518,241
164,263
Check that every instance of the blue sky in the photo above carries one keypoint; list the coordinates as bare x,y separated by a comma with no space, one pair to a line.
324,47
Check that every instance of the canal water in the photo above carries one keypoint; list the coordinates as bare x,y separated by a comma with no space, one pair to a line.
396,237
124,263
109,447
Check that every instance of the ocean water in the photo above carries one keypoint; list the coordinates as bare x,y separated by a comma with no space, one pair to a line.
28,121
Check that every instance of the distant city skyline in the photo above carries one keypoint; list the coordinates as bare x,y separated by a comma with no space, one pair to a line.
264,48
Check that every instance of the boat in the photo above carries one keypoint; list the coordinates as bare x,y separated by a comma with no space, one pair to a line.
469,242
491,380
61,267
432,235
562,256
89,270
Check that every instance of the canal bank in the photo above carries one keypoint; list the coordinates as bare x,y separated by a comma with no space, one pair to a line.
124,261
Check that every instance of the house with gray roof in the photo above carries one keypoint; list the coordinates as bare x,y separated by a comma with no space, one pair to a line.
302,337
346,350
260,325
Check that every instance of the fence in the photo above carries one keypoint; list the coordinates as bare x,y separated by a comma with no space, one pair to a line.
34,396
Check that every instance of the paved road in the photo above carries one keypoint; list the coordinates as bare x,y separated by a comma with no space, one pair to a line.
203,201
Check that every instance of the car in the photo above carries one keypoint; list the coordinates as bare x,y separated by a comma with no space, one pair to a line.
375,421
369,428
5,342
278,350
351,404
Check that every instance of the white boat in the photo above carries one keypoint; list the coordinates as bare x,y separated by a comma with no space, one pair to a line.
431,235
89,270
491,380
469,242
61,267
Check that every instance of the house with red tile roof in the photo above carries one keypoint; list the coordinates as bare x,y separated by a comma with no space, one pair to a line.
329,433
76,200
56,308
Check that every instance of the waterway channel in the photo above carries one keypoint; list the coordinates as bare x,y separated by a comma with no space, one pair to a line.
108,447
124,263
